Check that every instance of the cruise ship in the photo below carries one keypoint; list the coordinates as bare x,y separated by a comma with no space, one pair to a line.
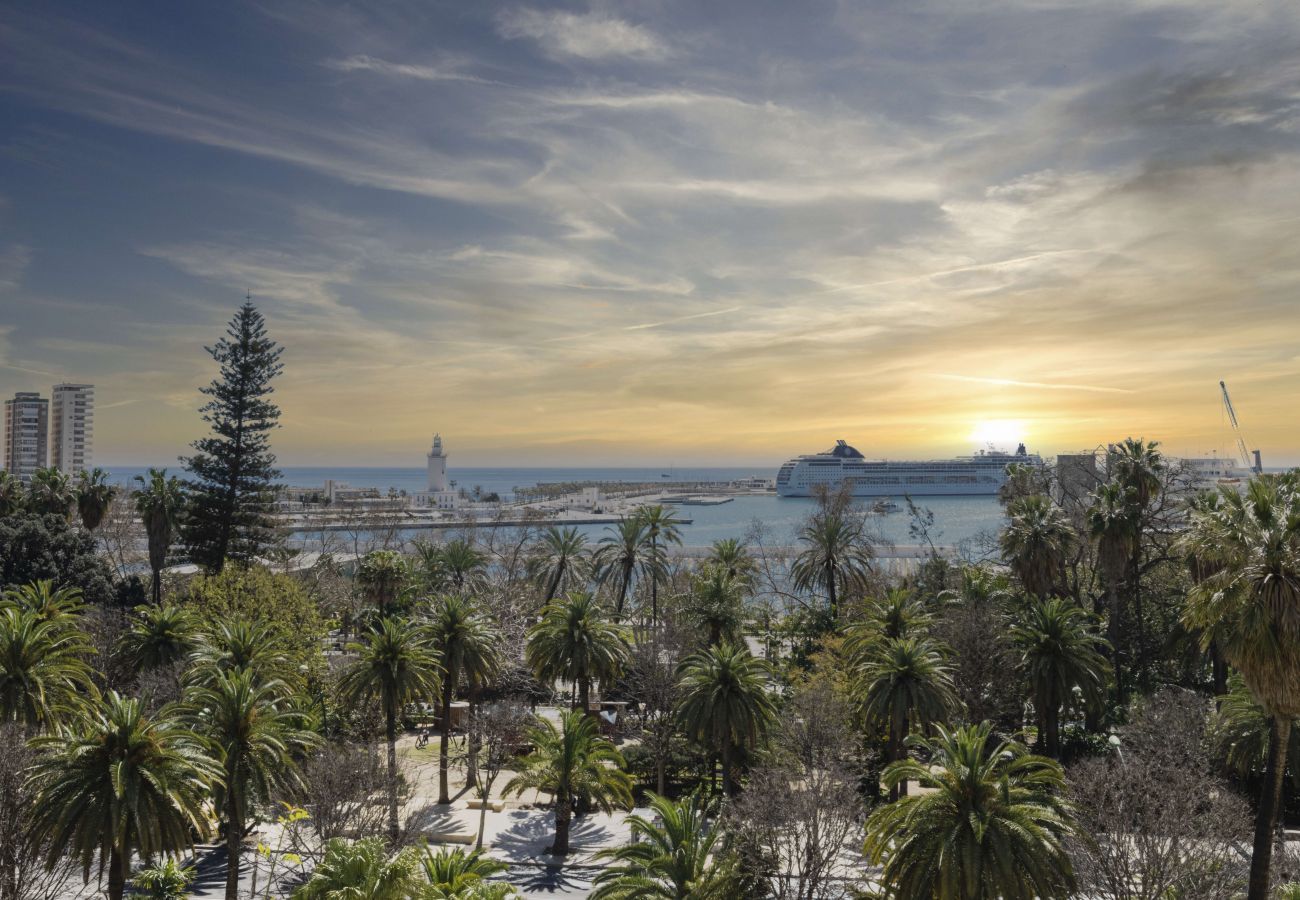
980,473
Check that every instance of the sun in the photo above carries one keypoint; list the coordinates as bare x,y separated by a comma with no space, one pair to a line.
1003,434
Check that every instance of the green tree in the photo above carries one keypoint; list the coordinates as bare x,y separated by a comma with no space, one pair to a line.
160,636
904,684
397,664
621,556
572,763
733,555
94,495
13,495
44,678
992,823
467,645
896,615
676,856
661,529
724,703
463,565
1059,654
120,783
160,501
239,646
50,493
559,560
381,575
232,471
1241,731
255,735
362,870
1250,609
716,605
836,557
34,547
576,641
1115,529
1036,544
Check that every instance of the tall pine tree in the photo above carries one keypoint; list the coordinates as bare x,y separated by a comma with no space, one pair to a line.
232,473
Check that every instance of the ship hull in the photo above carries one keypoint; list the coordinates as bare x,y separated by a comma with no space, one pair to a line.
978,475
900,490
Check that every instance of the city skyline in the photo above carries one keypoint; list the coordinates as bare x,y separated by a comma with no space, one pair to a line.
653,234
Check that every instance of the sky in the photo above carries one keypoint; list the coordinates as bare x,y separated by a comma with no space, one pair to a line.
660,232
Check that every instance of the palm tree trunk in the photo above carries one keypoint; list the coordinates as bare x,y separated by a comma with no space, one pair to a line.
1113,636
727,787
584,694
444,761
156,587
563,814
234,843
472,739
830,593
117,874
390,726
1261,857
654,583
1219,666
555,582
1052,723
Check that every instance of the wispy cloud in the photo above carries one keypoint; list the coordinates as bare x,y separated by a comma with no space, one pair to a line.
585,36
1043,385
363,63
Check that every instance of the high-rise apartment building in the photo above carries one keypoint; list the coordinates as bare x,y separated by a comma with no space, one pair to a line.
27,418
72,419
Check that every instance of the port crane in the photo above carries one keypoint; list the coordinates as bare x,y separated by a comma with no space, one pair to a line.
1252,462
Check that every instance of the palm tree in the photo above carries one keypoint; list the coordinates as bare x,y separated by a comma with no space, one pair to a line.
254,734
572,763
1138,465
559,559
160,501
44,677
13,495
661,528
1250,609
675,856
361,870
993,824
1036,543
238,645
94,495
1059,654
455,873
381,575
725,705
50,493
575,641
467,644
623,554
160,636
734,556
398,665
716,605
1241,731
168,880
897,615
1114,528
836,557
463,565
120,783
904,684
44,600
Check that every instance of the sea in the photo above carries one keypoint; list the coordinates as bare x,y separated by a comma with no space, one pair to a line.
957,520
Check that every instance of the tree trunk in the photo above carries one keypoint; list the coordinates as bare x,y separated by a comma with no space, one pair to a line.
234,844
156,587
830,594
1052,725
727,787
482,817
1113,635
555,583
117,874
1220,669
394,827
448,691
584,694
563,814
471,739
1261,857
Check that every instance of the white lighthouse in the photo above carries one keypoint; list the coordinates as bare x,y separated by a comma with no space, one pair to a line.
437,467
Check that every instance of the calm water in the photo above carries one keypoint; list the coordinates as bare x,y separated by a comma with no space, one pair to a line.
957,519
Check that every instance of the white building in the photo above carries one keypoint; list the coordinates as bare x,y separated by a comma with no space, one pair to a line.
26,429
72,422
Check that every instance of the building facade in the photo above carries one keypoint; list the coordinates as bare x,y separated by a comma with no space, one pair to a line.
27,418
72,420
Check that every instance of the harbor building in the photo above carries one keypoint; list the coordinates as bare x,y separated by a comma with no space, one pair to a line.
72,419
27,418
440,494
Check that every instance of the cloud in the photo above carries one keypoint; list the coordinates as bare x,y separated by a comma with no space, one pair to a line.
1009,382
591,36
363,63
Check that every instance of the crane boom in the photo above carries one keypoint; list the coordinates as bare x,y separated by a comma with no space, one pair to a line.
1246,459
